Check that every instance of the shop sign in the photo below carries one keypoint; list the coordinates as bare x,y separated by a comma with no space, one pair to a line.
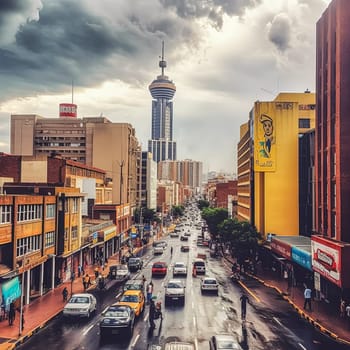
281,248
94,237
326,259
11,291
302,258
109,233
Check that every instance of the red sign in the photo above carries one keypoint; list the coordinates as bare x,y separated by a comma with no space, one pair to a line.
68,110
281,248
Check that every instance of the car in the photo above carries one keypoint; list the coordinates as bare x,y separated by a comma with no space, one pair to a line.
119,272
184,238
80,305
135,264
158,250
159,268
137,284
175,291
117,319
199,266
135,299
224,342
188,233
175,345
174,234
209,284
185,248
161,243
179,269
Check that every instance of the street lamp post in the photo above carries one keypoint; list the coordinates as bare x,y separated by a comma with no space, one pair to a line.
121,164
21,318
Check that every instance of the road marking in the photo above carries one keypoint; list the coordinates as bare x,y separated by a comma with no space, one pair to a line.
146,317
196,343
194,321
118,295
278,321
249,291
88,329
302,346
135,341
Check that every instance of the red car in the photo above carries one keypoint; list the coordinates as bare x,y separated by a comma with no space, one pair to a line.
159,269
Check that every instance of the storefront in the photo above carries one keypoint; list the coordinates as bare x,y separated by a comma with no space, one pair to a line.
330,259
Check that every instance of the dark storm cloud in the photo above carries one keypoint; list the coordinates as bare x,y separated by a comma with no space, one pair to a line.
68,39
211,9
280,32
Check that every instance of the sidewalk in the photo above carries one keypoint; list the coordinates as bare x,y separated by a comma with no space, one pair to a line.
40,311
324,317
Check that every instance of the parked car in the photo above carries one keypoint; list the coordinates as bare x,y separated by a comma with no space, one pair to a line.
174,345
184,238
159,268
209,284
135,299
119,272
179,269
175,291
135,264
80,305
199,265
157,250
188,233
117,319
174,234
138,284
185,248
224,342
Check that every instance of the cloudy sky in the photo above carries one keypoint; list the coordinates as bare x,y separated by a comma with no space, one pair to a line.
222,55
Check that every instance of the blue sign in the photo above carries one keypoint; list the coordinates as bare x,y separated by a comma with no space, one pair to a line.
302,257
134,235
11,291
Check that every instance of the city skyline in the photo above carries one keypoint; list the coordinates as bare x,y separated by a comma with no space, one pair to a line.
224,56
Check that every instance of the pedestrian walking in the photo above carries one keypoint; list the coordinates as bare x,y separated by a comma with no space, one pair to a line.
171,251
152,312
79,270
149,292
12,313
96,272
307,298
65,294
342,308
86,281
244,299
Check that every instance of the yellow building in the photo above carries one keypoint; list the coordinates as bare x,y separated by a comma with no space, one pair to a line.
276,126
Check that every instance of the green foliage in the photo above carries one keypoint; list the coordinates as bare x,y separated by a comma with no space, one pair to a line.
148,215
178,210
203,204
213,217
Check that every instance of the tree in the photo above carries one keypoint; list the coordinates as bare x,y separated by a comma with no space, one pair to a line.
203,204
178,210
213,217
148,215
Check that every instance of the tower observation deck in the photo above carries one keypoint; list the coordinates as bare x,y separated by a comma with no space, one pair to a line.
162,90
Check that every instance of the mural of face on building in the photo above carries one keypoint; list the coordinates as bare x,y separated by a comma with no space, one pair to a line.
267,124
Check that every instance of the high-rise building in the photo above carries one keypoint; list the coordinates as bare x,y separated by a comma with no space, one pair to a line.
162,90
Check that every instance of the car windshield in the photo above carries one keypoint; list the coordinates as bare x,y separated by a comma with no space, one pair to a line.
179,265
174,285
199,263
158,266
122,267
130,298
79,300
116,313
133,261
210,281
226,344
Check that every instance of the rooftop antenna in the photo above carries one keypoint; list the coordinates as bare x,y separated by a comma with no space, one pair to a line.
162,63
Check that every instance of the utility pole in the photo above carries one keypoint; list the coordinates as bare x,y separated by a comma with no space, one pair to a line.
121,164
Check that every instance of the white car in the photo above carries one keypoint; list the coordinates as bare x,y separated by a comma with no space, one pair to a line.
81,305
209,284
175,291
158,250
180,269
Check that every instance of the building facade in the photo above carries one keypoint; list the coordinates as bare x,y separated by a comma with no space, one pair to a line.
162,146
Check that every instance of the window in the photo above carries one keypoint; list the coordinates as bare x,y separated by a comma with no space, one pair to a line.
74,232
304,123
49,239
50,211
28,212
66,232
28,244
5,214
75,205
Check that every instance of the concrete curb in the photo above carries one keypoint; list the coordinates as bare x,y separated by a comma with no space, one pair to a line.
318,326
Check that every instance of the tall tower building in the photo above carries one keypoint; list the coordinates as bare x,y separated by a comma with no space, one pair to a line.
162,90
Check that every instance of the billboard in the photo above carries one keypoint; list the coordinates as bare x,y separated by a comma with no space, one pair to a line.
11,290
68,110
281,248
264,136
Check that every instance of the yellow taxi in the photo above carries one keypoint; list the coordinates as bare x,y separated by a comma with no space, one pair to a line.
135,299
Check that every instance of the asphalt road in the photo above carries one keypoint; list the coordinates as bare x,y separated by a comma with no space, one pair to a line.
271,322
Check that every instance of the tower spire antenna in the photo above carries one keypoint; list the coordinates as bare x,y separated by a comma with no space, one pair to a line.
162,63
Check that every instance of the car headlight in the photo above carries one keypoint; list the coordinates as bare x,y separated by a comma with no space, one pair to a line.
82,310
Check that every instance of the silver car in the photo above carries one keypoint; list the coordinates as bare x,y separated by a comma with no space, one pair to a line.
175,291
80,305
180,269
